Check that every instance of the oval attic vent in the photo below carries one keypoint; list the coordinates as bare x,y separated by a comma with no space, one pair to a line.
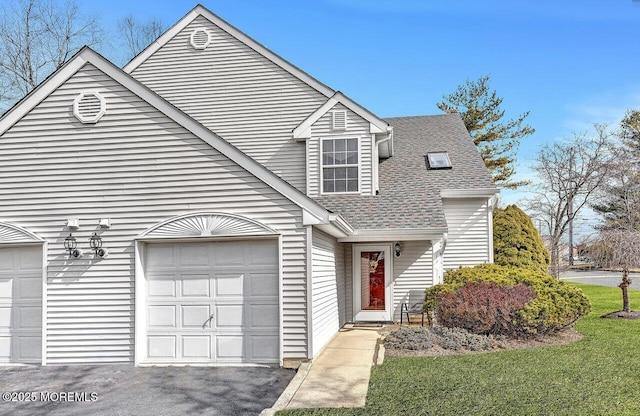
89,107
200,38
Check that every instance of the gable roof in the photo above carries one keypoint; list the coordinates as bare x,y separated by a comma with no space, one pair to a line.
314,213
200,10
410,195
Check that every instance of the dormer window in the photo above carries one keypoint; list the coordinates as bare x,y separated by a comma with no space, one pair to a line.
340,165
438,160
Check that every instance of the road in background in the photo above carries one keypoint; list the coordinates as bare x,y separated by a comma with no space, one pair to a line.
599,277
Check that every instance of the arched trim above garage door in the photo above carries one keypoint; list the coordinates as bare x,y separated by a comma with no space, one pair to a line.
207,224
14,234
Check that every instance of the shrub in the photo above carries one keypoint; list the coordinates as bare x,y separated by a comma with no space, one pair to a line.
485,308
516,241
556,305
424,338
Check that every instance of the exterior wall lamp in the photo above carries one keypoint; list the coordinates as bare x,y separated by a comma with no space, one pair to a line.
397,249
96,245
70,244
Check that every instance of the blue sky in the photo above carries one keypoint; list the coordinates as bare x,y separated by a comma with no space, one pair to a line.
570,63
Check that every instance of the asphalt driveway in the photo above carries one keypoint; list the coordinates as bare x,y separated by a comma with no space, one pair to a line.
127,390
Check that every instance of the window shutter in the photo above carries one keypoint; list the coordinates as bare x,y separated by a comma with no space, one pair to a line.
339,120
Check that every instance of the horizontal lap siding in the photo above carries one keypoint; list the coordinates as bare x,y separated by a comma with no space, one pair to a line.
138,168
327,288
357,127
412,273
468,237
237,93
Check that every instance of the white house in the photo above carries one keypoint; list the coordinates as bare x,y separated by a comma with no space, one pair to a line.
211,203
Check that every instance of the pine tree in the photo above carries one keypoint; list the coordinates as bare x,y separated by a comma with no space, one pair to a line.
497,140
516,241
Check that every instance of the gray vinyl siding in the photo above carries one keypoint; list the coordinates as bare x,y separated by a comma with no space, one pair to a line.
412,273
357,127
138,168
328,287
237,93
469,232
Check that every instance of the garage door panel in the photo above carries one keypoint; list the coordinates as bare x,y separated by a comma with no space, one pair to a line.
6,288
198,347
162,256
229,254
263,347
230,347
264,316
28,348
194,255
229,316
162,316
30,288
264,284
229,284
263,254
196,316
29,317
162,346
162,285
195,285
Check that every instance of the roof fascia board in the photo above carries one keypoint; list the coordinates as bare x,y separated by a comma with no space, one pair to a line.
469,193
200,10
376,125
87,55
42,91
395,234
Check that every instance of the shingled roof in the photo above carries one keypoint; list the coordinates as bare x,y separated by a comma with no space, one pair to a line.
409,192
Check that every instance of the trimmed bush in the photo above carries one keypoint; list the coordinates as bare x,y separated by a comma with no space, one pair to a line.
516,241
555,306
485,308
425,338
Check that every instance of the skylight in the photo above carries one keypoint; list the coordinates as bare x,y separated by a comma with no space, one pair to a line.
438,160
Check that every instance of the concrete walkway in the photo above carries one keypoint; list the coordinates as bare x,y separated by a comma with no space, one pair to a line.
338,376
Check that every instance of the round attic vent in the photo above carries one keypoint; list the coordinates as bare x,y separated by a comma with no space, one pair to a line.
200,38
89,107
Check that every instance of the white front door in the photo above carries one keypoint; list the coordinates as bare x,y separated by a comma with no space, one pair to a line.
372,266
213,302
21,304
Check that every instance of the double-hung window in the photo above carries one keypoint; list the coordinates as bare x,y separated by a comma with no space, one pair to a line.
340,165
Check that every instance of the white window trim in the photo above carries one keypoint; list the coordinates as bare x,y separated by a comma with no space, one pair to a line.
359,166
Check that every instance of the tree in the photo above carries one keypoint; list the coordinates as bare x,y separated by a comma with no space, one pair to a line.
630,131
618,248
569,173
137,36
516,241
497,140
36,38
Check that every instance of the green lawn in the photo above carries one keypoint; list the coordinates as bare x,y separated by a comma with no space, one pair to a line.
598,375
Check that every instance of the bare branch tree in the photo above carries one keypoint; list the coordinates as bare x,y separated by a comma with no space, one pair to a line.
568,175
36,38
137,36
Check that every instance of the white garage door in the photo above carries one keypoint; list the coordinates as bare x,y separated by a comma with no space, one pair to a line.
21,304
213,302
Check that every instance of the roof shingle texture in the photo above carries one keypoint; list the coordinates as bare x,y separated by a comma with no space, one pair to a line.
409,192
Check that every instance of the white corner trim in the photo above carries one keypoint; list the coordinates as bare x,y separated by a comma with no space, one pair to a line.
469,193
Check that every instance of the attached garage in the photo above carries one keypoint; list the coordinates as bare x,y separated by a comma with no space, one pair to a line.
21,304
212,302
